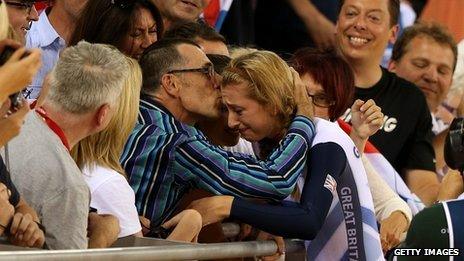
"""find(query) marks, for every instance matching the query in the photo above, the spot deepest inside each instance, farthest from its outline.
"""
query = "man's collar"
(154, 104)
(47, 35)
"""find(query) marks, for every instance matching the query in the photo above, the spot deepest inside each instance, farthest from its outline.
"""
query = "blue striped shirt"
(164, 158)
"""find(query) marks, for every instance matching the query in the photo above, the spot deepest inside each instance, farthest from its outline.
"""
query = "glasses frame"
(207, 70)
(314, 97)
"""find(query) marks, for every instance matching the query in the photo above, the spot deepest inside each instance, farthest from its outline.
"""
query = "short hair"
(87, 76)
(393, 9)
(105, 148)
(192, 30)
(219, 62)
(331, 72)
(433, 31)
(102, 21)
(158, 59)
(270, 80)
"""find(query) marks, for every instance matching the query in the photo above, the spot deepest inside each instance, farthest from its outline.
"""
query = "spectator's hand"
(213, 209)
(391, 229)
(11, 125)
(366, 117)
(451, 185)
(245, 231)
(25, 232)
(145, 222)
(102, 230)
(16, 74)
(6, 209)
(187, 225)
(280, 245)
(303, 102)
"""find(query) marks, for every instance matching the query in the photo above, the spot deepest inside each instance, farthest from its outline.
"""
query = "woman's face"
(141, 35)
(316, 91)
(253, 120)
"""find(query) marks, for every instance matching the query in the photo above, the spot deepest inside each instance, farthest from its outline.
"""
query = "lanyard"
(54, 127)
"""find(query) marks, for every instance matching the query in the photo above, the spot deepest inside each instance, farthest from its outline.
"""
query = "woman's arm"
(295, 220)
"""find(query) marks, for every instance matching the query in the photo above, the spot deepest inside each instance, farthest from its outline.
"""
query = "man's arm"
(321, 30)
(221, 172)
(103, 230)
(424, 184)
(65, 218)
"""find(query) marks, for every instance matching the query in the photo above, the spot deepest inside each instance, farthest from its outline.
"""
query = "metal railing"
(170, 251)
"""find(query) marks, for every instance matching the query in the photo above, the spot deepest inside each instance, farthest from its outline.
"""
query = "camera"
(15, 98)
(454, 145)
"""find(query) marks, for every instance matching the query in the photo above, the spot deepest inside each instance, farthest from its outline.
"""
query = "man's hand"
(452, 185)
(25, 232)
(102, 230)
(187, 225)
(391, 229)
(213, 209)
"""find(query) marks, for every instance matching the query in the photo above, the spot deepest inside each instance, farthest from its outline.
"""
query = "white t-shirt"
(243, 146)
(111, 194)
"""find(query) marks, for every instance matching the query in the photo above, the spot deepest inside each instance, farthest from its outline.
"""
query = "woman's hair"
(106, 21)
(269, 78)
(331, 72)
(105, 148)
(4, 22)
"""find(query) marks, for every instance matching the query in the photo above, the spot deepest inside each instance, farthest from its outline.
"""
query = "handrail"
(167, 252)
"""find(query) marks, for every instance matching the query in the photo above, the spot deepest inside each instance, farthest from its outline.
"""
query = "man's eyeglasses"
(207, 70)
(322, 100)
(24, 6)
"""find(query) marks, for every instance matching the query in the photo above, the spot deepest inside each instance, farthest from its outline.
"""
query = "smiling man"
(363, 30)
(21, 14)
(174, 11)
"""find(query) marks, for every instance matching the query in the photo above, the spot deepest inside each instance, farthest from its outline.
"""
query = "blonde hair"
(4, 22)
(269, 78)
(105, 148)
(238, 51)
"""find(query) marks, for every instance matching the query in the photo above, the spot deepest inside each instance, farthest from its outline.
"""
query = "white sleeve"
(116, 197)
(386, 201)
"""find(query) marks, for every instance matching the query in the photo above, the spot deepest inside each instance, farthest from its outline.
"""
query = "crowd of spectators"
(136, 118)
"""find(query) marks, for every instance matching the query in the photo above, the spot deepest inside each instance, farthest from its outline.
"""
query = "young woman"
(129, 25)
(98, 157)
(335, 197)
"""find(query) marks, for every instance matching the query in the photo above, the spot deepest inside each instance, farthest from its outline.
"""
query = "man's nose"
(33, 15)
(232, 120)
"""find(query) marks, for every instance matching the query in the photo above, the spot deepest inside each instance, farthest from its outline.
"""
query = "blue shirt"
(42, 35)
(164, 158)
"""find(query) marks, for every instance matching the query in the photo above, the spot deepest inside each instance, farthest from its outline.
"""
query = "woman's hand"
(280, 245)
(366, 118)
(25, 232)
(17, 73)
(391, 229)
(213, 209)
(6, 209)
(303, 102)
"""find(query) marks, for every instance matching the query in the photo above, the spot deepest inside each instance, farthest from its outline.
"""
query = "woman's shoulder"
(97, 176)
(327, 131)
